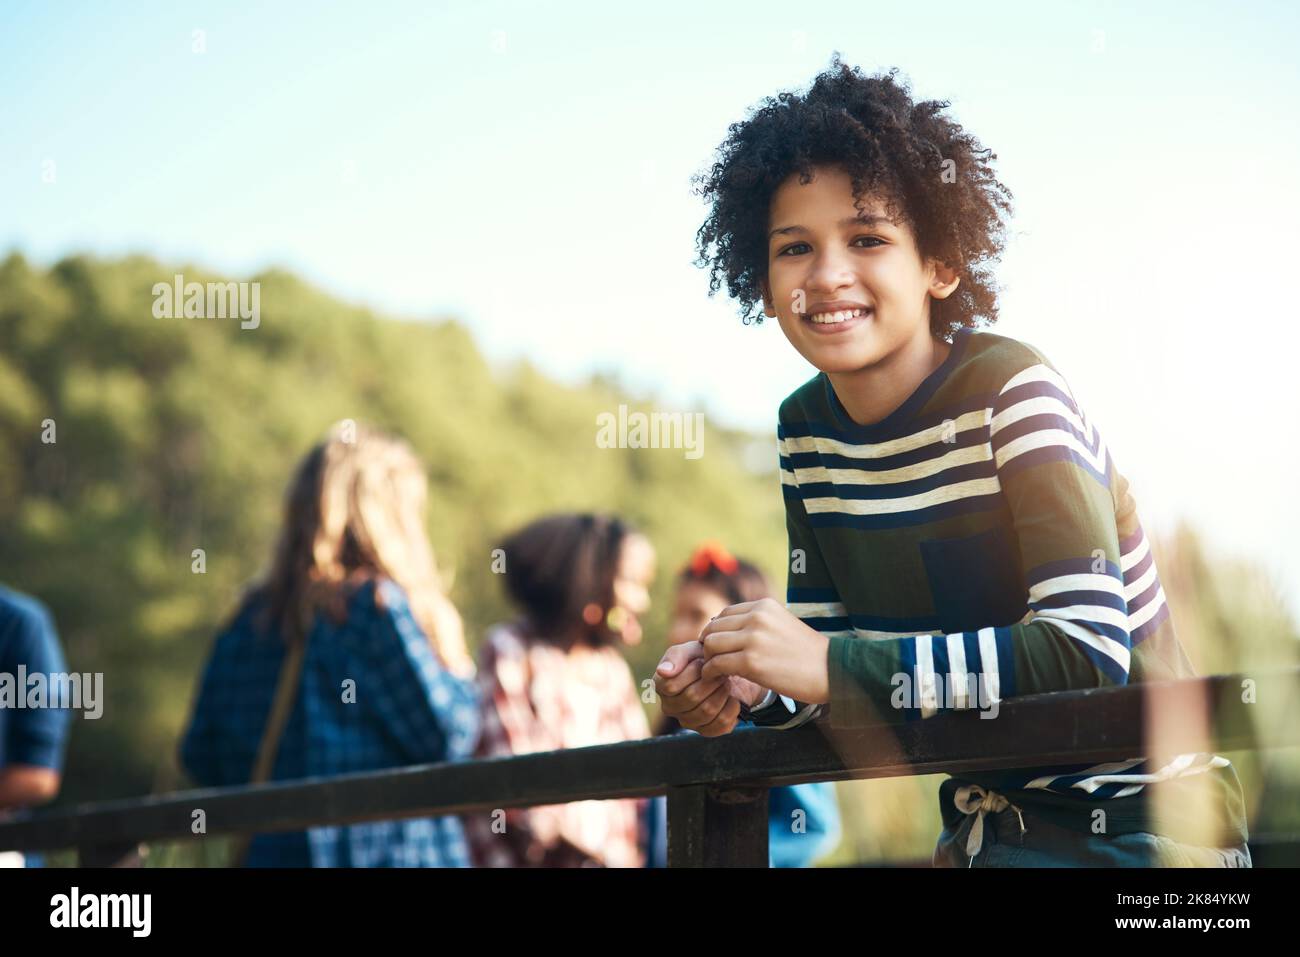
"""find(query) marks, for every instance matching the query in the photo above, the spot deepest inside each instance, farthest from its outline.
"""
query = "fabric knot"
(973, 799)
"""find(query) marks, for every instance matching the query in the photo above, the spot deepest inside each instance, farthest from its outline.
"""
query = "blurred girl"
(554, 678)
(354, 618)
(710, 581)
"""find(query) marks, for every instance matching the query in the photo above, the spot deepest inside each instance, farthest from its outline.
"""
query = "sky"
(526, 168)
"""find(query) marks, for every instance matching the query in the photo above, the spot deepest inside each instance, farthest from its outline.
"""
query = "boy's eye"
(796, 249)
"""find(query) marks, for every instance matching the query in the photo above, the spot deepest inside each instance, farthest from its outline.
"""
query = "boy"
(958, 531)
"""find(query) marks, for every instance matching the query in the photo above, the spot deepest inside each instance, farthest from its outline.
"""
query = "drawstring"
(973, 799)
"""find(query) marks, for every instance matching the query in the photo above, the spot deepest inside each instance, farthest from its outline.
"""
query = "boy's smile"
(851, 290)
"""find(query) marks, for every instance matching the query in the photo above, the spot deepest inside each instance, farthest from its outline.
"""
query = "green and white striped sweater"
(977, 544)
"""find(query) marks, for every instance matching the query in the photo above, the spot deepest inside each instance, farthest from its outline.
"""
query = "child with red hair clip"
(804, 819)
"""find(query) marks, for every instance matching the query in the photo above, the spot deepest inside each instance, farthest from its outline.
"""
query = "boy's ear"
(944, 282)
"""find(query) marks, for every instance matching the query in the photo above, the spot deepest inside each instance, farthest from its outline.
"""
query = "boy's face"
(822, 259)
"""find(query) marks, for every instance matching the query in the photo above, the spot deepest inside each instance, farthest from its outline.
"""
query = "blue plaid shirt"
(403, 708)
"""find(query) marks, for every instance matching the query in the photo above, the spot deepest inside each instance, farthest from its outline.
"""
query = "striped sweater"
(977, 544)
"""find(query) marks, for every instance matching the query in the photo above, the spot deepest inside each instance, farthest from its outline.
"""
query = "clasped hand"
(740, 654)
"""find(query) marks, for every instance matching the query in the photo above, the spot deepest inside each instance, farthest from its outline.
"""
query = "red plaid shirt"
(537, 697)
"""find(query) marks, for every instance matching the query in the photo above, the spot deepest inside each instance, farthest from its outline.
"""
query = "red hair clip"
(712, 554)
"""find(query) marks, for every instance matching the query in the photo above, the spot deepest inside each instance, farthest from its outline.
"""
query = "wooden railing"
(716, 787)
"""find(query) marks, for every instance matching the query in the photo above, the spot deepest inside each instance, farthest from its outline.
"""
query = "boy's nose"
(831, 271)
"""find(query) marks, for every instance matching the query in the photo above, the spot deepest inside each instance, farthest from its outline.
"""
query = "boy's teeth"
(840, 316)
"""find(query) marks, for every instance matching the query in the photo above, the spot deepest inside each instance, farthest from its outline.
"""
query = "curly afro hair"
(929, 173)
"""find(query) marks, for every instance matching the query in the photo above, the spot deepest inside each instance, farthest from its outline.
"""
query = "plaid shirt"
(536, 697)
(372, 695)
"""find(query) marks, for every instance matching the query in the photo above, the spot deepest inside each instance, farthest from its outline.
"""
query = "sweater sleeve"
(1056, 476)
(810, 594)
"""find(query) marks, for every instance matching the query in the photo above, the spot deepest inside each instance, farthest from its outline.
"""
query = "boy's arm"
(810, 596)
(1056, 476)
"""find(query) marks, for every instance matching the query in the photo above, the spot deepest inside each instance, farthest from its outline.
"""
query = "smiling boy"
(957, 527)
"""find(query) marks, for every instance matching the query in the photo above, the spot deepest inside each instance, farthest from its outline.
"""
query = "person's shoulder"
(804, 403)
(505, 639)
(245, 627)
(503, 655)
(366, 599)
(994, 360)
(379, 605)
(615, 661)
(379, 595)
(24, 613)
(27, 633)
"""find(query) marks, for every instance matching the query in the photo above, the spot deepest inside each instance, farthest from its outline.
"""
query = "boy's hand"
(763, 642)
(712, 706)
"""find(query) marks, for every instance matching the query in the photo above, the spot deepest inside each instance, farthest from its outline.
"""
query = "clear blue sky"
(525, 166)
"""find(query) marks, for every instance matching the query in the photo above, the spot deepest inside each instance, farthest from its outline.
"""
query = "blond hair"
(354, 513)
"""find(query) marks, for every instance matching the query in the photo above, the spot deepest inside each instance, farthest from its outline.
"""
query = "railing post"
(717, 826)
